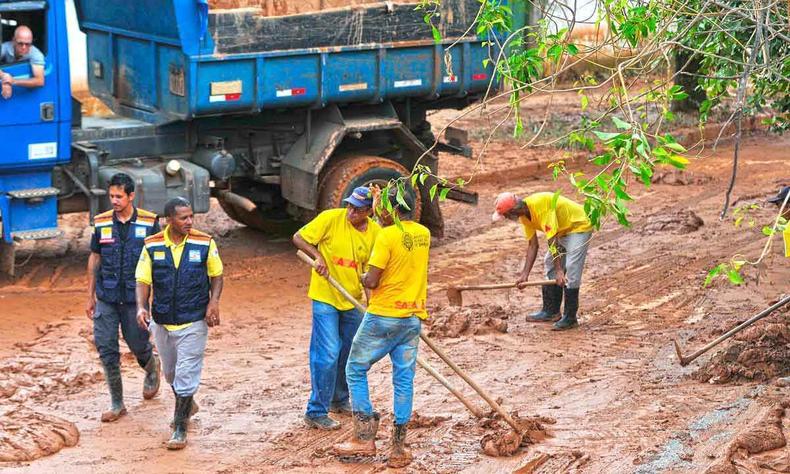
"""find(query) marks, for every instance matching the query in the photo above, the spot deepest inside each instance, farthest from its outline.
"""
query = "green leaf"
(619, 191)
(675, 147)
(735, 277)
(554, 199)
(713, 273)
(572, 49)
(768, 231)
(399, 197)
(585, 101)
(414, 180)
(423, 177)
(432, 192)
(443, 194)
(677, 161)
(555, 52)
(606, 136)
(620, 124)
(437, 35)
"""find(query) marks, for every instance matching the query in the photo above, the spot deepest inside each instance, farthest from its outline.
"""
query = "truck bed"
(165, 67)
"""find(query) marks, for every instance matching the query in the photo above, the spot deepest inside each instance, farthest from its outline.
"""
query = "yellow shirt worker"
(568, 232)
(779, 199)
(340, 241)
(398, 279)
(182, 267)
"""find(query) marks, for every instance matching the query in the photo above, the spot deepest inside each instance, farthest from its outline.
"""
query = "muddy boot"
(363, 442)
(115, 384)
(568, 320)
(400, 456)
(151, 381)
(192, 411)
(552, 300)
(178, 440)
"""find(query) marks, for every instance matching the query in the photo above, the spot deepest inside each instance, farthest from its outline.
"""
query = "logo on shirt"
(105, 237)
(194, 256)
(159, 255)
(407, 241)
(139, 232)
(344, 262)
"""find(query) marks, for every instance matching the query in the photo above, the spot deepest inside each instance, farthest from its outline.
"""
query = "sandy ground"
(611, 394)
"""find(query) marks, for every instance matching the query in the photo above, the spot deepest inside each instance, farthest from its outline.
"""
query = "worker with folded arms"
(183, 268)
(340, 241)
(568, 232)
(398, 279)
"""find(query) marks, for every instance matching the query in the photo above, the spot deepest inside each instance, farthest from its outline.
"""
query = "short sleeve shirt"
(402, 254)
(35, 56)
(567, 217)
(345, 250)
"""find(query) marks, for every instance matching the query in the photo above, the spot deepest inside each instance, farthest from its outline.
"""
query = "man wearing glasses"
(340, 240)
(21, 49)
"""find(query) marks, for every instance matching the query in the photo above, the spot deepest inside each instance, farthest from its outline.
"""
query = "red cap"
(504, 203)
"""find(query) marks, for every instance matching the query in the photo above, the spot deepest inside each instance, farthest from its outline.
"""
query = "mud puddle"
(27, 434)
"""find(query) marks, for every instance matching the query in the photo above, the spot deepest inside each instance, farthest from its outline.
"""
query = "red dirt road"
(620, 400)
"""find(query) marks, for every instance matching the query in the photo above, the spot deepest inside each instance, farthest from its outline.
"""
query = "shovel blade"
(454, 297)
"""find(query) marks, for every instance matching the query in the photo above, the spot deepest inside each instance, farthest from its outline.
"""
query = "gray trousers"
(106, 319)
(573, 252)
(181, 353)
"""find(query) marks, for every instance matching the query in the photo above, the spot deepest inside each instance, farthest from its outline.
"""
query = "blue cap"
(360, 197)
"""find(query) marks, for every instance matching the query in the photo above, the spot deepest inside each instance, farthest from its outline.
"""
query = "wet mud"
(760, 352)
(27, 434)
(677, 222)
(502, 440)
(473, 319)
(763, 435)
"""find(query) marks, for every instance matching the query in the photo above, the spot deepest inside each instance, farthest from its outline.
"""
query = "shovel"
(454, 292)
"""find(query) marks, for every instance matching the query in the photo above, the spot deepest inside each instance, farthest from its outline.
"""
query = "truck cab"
(35, 123)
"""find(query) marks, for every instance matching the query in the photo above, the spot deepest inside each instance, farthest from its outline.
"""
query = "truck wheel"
(348, 173)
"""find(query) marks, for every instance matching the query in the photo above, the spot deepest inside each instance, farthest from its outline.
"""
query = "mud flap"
(7, 257)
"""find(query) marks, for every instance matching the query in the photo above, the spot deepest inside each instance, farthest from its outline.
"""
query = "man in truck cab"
(21, 48)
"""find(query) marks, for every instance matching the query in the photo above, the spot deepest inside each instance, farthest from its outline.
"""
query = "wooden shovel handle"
(497, 286)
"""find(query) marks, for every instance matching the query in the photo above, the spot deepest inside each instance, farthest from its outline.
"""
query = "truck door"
(34, 122)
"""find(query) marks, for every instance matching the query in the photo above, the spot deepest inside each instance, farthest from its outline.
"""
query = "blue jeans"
(106, 319)
(333, 331)
(377, 337)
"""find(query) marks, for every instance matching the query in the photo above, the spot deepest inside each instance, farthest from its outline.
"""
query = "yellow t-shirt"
(143, 271)
(786, 235)
(567, 218)
(403, 255)
(346, 252)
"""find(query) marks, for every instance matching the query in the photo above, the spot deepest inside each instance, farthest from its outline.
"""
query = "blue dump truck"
(276, 117)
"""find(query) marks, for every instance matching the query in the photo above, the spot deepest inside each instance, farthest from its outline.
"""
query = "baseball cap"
(360, 197)
(780, 196)
(503, 204)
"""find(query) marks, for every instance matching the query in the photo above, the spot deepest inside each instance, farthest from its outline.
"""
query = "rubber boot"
(192, 411)
(552, 300)
(400, 456)
(114, 382)
(568, 320)
(151, 381)
(178, 440)
(363, 442)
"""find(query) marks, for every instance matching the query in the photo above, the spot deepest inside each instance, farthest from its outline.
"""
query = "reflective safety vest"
(181, 294)
(115, 282)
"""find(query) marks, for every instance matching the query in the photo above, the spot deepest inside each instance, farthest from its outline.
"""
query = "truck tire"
(361, 170)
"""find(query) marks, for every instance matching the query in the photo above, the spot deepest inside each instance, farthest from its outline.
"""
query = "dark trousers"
(106, 319)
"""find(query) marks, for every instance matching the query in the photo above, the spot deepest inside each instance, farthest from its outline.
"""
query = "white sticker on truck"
(42, 151)
(409, 83)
